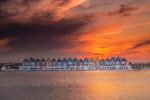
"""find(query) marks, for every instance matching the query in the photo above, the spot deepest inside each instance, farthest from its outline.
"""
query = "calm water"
(99, 85)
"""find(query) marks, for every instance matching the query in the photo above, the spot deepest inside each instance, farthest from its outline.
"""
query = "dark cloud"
(34, 30)
(40, 36)
(141, 44)
(124, 10)
(6, 15)
(60, 27)
(2, 1)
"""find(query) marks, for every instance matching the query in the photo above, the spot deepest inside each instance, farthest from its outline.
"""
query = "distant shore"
(17, 70)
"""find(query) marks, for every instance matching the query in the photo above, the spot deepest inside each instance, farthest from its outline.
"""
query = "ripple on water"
(132, 85)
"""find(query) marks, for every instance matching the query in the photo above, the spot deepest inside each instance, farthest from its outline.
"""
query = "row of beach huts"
(114, 63)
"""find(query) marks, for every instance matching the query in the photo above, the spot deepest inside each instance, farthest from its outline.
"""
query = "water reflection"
(119, 86)
(129, 85)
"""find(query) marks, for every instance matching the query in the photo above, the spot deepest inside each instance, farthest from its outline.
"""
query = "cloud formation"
(27, 10)
(77, 28)
(124, 10)
(141, 44)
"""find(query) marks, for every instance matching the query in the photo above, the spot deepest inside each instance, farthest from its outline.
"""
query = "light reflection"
(116, 85)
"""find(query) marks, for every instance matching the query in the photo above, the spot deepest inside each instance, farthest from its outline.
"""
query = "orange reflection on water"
(116, 86)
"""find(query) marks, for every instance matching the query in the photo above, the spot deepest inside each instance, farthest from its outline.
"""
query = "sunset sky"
(74, 28)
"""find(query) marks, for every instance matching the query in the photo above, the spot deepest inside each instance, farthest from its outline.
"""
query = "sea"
(75, 85)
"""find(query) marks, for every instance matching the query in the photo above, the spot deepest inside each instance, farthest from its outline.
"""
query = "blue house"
(59, 64)
(54, 64)
(64, 63)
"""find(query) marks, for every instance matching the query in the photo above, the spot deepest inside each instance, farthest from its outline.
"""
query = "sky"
(74, 28)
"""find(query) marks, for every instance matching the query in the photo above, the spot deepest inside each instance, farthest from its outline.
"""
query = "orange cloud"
(112, 40)
(4, 44)
(51, 10)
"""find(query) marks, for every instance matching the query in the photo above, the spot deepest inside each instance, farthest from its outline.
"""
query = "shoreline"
(17, 70)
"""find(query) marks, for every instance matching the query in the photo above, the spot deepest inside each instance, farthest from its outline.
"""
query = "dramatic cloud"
(76, 28)
(35, 35)
(26, 10)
